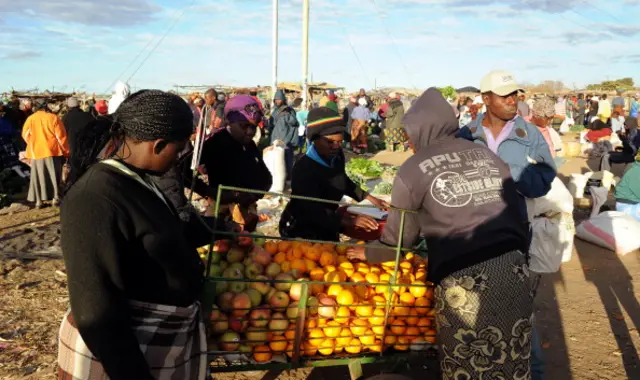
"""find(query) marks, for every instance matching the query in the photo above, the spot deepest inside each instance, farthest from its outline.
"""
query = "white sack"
(551, 242)
(577, 183)
(612, 230)
(558, 199)
(274, 160)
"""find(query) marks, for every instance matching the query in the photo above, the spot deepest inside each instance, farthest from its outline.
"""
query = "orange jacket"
(45, 136)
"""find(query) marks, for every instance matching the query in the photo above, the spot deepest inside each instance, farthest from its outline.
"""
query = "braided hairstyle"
(146, 115)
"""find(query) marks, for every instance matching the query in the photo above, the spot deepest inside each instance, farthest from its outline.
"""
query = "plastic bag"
(558, 199)
(577, 183)
(565, 127)
(274, 160)
(551, 242)
(612, 230)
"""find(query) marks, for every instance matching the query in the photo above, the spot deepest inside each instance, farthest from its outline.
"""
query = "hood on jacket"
(430, 119)
(280, 96)
(121, 89)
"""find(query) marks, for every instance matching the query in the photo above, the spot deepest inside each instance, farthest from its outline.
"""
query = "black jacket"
(121, 242)
(74, 121)
(465, 202)
(316, 220)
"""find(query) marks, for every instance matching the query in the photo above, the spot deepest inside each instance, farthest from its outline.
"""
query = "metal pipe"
(274, 37)
(305, 54)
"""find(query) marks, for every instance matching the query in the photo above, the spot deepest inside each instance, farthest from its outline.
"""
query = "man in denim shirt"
(521, 146)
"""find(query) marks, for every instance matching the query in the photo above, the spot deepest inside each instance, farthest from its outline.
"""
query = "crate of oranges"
(292, 303)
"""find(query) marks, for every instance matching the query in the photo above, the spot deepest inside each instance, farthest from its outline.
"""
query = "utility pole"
(274, 37)
(305, 54)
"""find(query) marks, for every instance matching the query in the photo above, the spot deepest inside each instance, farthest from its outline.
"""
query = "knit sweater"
(122, 242)
(316, 220)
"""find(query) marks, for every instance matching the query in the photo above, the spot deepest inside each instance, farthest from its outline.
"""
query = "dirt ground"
(588, 313)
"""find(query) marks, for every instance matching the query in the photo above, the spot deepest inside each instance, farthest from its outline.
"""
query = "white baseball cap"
(477, 100)
(499, 82)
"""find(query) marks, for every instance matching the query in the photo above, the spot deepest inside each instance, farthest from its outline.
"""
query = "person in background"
(593, 110)
(101, 107)
(332, 103)
(523, 108)
(210, 121)
(618, 101)
(561, 113)
(301, 115)
(284, 127)
(598, 130)
(359, 119)
(120, 93)
(604, 109)
(581, 108)
(231, 158)
(634, 109)
(542, 116)
(321, 174)
(346, 118)
(477, 241)
(617, 120)
(630, 144)
(363, 95)
(196, 105)
(47, 148)
(394, 134)
(135, 278)
(9, 156)
(325, 99)
(465, 113)
(479, 105)
(627, 192)
(75, 121)
(260, 130)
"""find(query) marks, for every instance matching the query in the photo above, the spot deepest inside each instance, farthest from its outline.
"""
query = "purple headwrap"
(242, 108)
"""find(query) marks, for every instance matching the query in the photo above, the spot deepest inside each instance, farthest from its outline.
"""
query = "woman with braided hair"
(134, 275)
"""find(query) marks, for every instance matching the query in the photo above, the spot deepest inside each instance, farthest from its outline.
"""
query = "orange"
(431, 312)
(262, 354)
(362, 268)
(418, 291)
(422, 305)
(312, 254)
(316, 274)
(354, 346)
(278, 343)
(384, 278)
(329, 246)
(309, 349)
(402, 344)
(316, 336)
(375, 270)
(310, 264)
(401, 311)
(322, 322)
(290, 334)
(407, 299)
(342, 315)
(347, 267)
(377, 317)
(377, 346)
(330, 268)
(410, 256)
(358, 327)
(372, 291)
(342, 259)
(421, 275)
(280, 258)
(429, 294)
(289, 350)
(379, 301)
(382, 289)
(345, 297)
(297, 253)
(334, 290)
(327, 347)
(285, 267)
(388, 265)
(405, 266)
(390, 339)
(271, 247)
(326, 258)
(342, 249)
(412, 332)
(344, 338)
(357, 277)
(364, 310)
(372, 278)
(430, 336)
(397, 327)
(310, 324)
(412, 319)
(424, 324)
(332, 330)
(368, 338)
(362, 292)
(335, 276)
(378, 330)
(298, 264)
(284, 246)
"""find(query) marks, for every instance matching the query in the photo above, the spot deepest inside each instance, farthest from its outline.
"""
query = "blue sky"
(86, 44)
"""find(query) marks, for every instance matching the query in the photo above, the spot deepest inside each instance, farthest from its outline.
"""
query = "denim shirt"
(525, 151)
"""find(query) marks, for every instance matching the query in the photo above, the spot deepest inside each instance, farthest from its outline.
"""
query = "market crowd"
(129, 232)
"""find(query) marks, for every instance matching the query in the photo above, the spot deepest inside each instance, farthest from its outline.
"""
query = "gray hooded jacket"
(465, 203)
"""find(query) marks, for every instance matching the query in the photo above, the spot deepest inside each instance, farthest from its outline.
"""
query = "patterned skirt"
(395, 136)
(484, 316)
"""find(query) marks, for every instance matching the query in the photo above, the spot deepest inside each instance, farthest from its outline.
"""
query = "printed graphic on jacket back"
(468, 177)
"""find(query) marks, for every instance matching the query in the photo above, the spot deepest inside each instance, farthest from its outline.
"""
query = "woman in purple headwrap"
(231, 158)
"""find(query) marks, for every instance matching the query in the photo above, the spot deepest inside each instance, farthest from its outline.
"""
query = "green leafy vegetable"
(383, 188)
(364, 168)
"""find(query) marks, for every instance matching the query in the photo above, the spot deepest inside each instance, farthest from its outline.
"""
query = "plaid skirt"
(172, 339)
(484, 317)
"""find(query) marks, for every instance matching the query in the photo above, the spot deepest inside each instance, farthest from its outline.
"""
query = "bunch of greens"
(383, 188)
(364, 168)
(389, 173)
